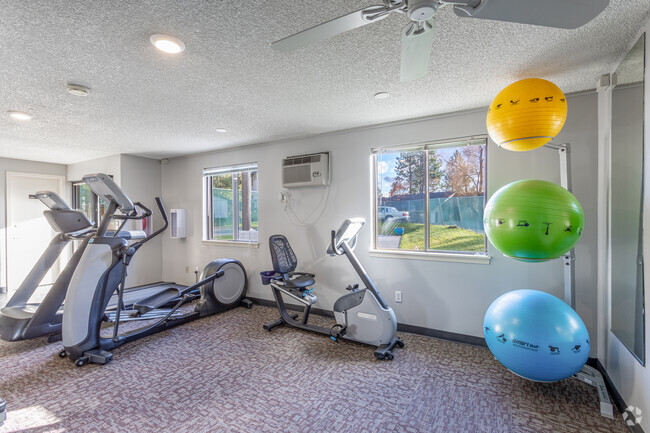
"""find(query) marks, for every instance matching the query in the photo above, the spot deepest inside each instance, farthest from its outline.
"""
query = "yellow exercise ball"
(527, 114)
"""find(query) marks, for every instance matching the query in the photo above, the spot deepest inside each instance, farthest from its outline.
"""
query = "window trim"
(438, 256)
(208, 205)
(427, 253)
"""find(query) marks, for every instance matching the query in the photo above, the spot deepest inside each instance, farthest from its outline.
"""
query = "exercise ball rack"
(587, 374)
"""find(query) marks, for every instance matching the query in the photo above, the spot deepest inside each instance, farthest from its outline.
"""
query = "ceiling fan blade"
(331, 28)
(563, 14)
(416, 50)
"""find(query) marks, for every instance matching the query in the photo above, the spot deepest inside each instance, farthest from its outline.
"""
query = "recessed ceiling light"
(382, 95)
(167, 44)
(19, 115)
(77, 89)
(221, 130)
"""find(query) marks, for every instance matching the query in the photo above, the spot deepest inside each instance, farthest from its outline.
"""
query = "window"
(443, 213)
(85, 200)
(231, 197)
(90, 204)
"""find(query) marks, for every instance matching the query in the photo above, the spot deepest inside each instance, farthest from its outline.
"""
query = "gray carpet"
(226, 374)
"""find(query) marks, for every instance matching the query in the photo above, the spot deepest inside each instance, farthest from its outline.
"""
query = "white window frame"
(208, 227)
(427, 253)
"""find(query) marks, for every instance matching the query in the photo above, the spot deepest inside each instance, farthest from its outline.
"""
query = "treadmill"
(20, 319)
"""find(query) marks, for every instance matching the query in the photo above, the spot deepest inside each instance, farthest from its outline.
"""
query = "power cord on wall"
(288, 200)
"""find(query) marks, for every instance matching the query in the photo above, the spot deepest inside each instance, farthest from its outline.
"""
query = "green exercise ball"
(533, 220)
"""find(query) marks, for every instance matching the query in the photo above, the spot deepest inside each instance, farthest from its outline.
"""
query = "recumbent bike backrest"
(283, 257)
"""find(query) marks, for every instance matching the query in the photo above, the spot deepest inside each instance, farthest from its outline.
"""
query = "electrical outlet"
(398, 296)
(187, 269)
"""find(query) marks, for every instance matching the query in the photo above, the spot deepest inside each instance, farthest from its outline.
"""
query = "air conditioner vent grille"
(305, 170)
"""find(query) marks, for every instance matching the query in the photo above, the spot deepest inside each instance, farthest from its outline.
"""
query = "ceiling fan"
(418, 35)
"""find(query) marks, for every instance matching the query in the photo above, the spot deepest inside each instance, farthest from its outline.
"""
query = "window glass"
(457, 200)
(222, 204)
(400, 200)
(247, 186)
(85, 200)
(232, 203)
(443, 212)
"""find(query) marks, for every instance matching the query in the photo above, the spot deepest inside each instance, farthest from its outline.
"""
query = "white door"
(28, 232)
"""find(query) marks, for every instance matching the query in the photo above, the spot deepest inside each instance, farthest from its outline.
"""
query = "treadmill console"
(52, 200)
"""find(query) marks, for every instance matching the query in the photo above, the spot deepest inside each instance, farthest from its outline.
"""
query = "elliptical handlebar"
(161, 208)
(146, 212)
(163, 214)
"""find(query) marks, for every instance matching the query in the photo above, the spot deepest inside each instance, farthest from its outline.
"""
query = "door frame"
(4, 251)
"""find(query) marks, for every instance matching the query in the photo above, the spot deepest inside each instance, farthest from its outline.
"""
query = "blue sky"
(386, 166)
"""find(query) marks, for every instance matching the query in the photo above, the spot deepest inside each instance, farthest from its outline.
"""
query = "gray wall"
(23, 166)
(439, 295)
(141, 181)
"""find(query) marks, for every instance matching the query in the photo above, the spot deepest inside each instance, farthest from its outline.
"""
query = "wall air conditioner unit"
(306, 170)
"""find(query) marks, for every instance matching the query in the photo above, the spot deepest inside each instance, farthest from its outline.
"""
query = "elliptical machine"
(102, 271)
(361, 315)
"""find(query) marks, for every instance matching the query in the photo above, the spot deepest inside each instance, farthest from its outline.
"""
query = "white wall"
(438, 295)
(19, 165)
(107, 165)
(141, 181)
(628, 375)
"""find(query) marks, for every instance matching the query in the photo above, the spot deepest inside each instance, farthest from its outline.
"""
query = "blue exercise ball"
(536, 335)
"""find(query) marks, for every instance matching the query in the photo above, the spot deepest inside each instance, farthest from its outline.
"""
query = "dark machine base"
(386, 351)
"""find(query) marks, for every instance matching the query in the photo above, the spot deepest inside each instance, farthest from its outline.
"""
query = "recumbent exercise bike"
(361, 315)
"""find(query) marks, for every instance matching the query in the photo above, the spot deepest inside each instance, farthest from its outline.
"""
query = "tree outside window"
(443, 212)
(231, 203)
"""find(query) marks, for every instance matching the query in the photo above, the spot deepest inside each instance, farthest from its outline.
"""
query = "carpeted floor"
(226, 374)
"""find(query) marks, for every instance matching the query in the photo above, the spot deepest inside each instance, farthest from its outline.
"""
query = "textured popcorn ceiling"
(147, 103)
(632, 66)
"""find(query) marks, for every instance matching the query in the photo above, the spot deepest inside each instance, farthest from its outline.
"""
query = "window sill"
(434, 256)
(244, 244)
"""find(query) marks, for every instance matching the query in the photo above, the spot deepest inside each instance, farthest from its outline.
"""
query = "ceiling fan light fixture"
(167, 44)
(19, 115)
(422, 10)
